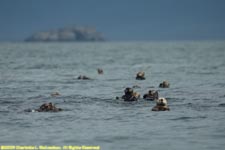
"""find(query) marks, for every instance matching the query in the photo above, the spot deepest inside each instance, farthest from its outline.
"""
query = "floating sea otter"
(164, 84)
(100, 71)
(161, 105)
(140, 75)
(130, 95)
(82, 77)
(48, 107)
(151, 95)
(136, 86)
(54, 94)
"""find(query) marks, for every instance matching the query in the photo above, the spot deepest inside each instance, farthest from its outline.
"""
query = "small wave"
(220, 85)
(197, 127)
(151, 87)
(205, 99)
(175, 99)
(189, 118)
(222, 105)
(4, 111)
(44, 66)
(36, 97)
(222, 96)
(210, 68)
(2, 102)
(103, 139)
(118, 79)
(201, 73)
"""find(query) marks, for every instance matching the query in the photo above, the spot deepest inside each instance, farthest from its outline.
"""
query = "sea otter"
(130, 95)
(82, 77)
(136, 86)
(151, 95)
(48, 107)
(161, 105)
(140, 75)
(164, 84)
(54, 94)
(100, 71)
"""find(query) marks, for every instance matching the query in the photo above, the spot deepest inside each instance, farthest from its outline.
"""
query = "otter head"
(50, 106)
(55, 94)
(100, 71)
(136, 94)
(151, 92)
(128, 91)
(165, 83)
(141, 74)
(161, 102)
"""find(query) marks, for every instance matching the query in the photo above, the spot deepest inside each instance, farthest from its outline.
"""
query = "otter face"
(137, 95)
(161, 102)
(164, 84)
(151, 92)
(141, 74)
(128, 91)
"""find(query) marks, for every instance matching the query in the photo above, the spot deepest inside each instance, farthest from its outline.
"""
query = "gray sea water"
(30, 72)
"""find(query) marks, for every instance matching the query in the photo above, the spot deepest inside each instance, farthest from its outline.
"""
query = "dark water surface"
(30, 72)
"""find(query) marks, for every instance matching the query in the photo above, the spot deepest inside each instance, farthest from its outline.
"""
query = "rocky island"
(67, 34)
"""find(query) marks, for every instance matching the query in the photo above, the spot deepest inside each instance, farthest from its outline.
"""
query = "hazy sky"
(117, 19)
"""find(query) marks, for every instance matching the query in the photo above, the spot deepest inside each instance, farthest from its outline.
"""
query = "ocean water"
(30, 72)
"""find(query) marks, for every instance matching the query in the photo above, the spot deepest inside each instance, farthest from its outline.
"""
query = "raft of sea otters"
(129, 95)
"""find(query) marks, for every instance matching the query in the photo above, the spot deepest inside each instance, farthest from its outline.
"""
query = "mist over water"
(30, 72)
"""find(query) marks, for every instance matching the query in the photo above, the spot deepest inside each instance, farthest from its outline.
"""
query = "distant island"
(67, 34)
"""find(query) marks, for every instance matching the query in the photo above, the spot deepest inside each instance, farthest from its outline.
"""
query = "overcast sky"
(118, 20)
